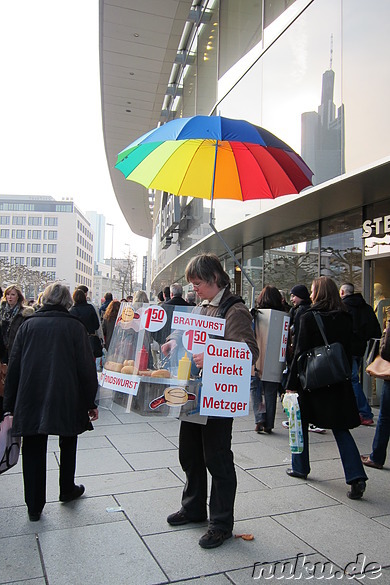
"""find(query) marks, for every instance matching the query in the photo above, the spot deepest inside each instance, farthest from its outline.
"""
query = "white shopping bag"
(295, 436)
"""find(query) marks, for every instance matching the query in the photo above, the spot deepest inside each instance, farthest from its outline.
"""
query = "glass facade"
(314, 74)
(341, 248)
(291, 257)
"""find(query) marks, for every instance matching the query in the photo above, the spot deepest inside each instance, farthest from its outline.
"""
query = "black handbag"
(325, 365)
(96, 345)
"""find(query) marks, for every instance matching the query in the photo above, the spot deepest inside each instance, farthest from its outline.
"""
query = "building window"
(18, 234)
(36, 248)
(35, 262)
(4, 233)
(19, 220)
(34, 234)
(51, 262)
(34, 221)
(292, 257)
(4, 247)
(51, 221)
(52, 248)
(341, 248)
(19, 247)
(4, 219)
(51, 235)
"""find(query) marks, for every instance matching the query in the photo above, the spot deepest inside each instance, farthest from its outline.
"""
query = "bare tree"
(32, 282)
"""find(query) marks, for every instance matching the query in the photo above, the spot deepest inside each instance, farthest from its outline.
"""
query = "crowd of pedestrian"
(50, 351)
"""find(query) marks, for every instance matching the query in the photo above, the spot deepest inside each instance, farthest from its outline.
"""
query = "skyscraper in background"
(322, 138)
(98, 224)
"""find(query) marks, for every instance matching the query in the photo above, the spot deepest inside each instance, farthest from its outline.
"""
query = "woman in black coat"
(50, 389)
(333, 407)
(87, 315)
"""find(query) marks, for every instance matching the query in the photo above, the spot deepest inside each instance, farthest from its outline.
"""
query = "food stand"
(144, 375)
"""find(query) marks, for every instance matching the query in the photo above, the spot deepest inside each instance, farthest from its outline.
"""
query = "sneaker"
(366, 421)
(286, 424)
(357, 489)
(314, 429)
(77, 491)
(214, 538)
(180, 518)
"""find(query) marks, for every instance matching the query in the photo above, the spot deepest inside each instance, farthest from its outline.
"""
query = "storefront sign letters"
(376, 227)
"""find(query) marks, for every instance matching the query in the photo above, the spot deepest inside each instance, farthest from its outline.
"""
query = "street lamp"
(112, 252)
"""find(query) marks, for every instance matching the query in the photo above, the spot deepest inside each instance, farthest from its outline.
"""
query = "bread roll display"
(161, 374)
(127, 370)
(113, 366)
(128, 363)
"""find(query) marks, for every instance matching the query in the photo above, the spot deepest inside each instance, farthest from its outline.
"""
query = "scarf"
(7, 316)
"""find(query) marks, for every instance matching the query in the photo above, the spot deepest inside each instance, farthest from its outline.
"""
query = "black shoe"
(259, 428)
(180, 518)
(214, 538)
(293, 473)
(268, 430)
(357, 489)
(34, 516)
(77, 491)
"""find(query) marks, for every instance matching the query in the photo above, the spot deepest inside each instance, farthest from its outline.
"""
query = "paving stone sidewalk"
(117, 532)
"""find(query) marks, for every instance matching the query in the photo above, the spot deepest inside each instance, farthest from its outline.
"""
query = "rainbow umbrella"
(211, 157)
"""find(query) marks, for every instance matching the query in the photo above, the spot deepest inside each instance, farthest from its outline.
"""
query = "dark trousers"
(34, 451)
(202, 448)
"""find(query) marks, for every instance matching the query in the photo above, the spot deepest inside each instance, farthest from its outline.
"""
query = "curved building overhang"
(350, 191)
(139, 42)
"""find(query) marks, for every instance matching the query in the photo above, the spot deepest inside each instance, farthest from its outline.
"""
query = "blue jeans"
(349, 454)
(382, 433)
(362, 404)
(264, 411)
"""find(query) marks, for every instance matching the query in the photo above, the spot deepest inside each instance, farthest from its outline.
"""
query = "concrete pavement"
(117, 532)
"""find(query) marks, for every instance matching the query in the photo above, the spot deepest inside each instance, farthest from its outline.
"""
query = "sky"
(51, 138)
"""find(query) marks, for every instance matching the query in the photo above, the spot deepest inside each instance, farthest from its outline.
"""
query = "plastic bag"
(295, 435)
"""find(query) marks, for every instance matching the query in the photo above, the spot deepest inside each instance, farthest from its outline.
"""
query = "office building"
(47, 235)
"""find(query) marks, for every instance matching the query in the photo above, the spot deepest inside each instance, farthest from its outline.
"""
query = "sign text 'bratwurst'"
(226, 379)
(212, 325)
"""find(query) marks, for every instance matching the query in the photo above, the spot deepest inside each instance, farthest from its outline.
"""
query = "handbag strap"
(320, 324)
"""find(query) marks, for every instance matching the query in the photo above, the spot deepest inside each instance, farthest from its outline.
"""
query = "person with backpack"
(365, 326)
(207, 447)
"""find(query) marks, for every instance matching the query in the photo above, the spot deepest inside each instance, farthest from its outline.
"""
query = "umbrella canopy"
(211, 157)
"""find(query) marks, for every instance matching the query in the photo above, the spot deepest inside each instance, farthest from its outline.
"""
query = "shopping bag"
(295, 435)
(9, 445)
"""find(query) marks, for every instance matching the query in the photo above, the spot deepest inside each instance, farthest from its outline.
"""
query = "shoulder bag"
(379, 368)
(325, 365)
(9, 445)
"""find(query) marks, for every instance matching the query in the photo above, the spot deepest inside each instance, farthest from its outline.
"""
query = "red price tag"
(194, 341)
(154, 318)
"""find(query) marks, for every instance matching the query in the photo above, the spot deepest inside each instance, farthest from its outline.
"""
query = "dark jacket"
(295, 316)
(51, 381)
(87, 315)
(365, 323)
(176, 301)
(16, 322)
(331, 407)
